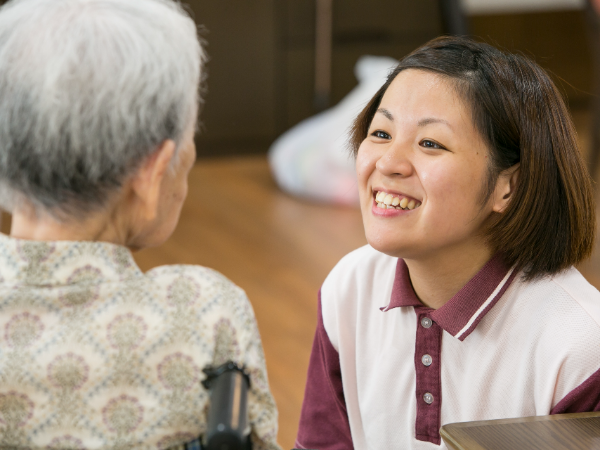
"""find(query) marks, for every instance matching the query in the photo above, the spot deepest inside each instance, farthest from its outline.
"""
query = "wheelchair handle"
(227, 427)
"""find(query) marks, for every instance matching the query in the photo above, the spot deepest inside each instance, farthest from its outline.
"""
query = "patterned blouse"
(95, 354)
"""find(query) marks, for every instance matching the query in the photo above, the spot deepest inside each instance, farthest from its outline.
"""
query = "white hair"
(88, 89)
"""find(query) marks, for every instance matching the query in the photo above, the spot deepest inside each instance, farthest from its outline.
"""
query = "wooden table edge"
(522, 419)
(446, 430)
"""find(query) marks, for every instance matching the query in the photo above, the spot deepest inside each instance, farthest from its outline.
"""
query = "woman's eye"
(381, 134)
(431, 144)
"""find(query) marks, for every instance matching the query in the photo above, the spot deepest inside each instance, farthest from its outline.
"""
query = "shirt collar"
(461, 314)
(56, 263)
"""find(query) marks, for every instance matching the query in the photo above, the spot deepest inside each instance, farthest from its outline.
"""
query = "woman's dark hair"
(549, 223)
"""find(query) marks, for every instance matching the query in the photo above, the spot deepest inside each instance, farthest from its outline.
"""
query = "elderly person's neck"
(106, 225)
(143, 212)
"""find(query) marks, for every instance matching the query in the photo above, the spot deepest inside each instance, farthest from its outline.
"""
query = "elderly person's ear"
(147, 181)
(505, 188)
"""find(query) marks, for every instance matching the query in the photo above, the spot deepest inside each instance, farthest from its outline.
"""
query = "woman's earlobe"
(506, 186)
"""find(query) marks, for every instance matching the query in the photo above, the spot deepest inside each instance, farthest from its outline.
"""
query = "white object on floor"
(312, 159)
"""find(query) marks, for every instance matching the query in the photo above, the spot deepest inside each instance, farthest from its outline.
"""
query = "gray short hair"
(88, 89)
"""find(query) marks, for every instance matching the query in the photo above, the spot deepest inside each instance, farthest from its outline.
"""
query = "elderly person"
(98, 102)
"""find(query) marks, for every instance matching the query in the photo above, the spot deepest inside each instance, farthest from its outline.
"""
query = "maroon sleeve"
(584, 398)
(324, 420)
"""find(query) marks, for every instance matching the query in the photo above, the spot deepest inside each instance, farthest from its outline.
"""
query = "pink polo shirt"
(388, 372)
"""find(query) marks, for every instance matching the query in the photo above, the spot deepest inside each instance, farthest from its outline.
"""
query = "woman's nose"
(395, 161)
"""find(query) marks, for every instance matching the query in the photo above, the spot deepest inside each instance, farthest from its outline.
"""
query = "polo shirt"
(388, 372)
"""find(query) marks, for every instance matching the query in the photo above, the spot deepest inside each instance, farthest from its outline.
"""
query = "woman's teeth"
(388, 201)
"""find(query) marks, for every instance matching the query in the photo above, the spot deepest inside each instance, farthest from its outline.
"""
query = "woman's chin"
(391, 247)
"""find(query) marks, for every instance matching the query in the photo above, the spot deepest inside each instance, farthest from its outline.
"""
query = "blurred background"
(268, 63)
(275, 63)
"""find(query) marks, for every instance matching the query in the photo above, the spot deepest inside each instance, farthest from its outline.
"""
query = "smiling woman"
(476, 204)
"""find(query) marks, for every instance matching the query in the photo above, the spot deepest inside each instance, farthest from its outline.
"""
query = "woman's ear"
(146, 183)
(505, 188)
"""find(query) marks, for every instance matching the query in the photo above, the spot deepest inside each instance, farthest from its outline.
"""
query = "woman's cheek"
(360, 163)
(365, 162)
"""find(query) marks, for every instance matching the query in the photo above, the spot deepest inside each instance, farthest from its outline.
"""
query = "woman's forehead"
(419, 95)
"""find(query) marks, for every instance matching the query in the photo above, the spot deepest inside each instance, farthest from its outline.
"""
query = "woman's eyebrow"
(386, 113)
(429, 120)
(421, 123)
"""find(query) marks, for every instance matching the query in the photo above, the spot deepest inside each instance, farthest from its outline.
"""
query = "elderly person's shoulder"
(185, 284)
(110, 267)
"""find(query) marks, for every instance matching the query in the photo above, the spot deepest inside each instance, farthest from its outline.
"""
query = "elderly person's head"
(98, 105)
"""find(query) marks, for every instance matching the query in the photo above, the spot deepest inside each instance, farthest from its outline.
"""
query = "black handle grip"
(227, 427)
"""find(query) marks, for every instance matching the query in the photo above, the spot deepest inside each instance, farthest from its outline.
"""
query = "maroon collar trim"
(461, 314)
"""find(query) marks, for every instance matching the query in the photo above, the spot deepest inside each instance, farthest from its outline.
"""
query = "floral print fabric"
(95, 354)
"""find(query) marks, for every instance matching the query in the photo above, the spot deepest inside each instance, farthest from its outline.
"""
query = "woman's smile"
(391, 204)
(389, 200)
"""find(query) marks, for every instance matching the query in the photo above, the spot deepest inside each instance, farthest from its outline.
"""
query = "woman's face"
(425, 159)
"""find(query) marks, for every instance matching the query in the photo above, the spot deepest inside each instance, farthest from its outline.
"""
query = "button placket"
(427, 366)
(426, 359)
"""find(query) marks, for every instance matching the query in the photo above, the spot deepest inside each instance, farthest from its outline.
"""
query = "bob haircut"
(549, 223)
(88, 90)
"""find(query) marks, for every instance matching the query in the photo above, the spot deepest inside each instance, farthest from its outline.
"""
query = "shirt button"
(426, 360)
(428, 398)
(426, 322)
